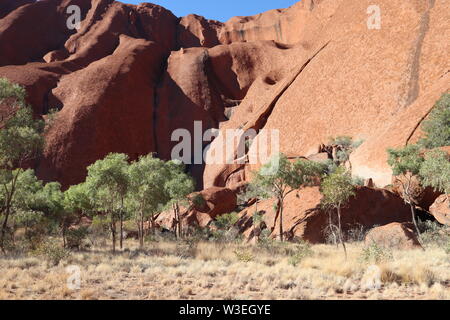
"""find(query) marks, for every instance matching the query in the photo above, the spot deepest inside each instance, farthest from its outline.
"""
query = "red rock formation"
(394, 235)
(375, 85)
(31, 31)
(107, 107)
(441, 209)
(304, 218)
(7, 6)
(213, 202)
(311, 71)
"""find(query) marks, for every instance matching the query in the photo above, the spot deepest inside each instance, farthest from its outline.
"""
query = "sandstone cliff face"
(132, 74)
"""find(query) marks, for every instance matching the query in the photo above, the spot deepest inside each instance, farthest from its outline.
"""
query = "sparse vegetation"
(374, 254)
(42, 229)
(214, 271)
(337, 188)
(437, 126)
(52, 252)
(280, 177)
(406, 164)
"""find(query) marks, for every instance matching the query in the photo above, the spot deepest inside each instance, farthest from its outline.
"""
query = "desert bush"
(434, 234)
(226, 230)
(437, 126)
(299, 252)
(295, 252)
(330, 233)
(52, 251)
(374, 253)
(226, 221)
(266, 242)
(358, 181)
(196, 233)
(76, 237)
(99, 226)
(186, 248)
(243, 255)
(356, 234)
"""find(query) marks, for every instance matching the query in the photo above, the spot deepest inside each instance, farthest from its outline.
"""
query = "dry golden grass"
(207, 270)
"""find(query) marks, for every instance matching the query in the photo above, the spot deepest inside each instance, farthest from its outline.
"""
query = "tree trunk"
(254, 216)
(153, 225)
(121, 224)
(3, 232)
(413, 216)
(113, 232)
(121, 231)
(341, 238)
(141, 231)
(331, 226)
(180, 230)
(176, 220)
(10, 196)
(280, 203)
(63, 232)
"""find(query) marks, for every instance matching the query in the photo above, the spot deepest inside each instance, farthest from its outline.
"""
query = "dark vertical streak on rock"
(412, 89)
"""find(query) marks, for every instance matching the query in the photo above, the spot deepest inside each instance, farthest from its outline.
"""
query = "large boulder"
(441, 209)
(423, 197)
(205, 206)
(303, 216)
(107, 107)
(394, 235)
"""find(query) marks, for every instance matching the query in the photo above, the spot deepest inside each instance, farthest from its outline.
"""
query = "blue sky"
(221, 10)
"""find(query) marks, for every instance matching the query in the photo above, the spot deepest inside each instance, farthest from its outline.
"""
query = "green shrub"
(226, 230)
(375, 253)
(52, 251)
(358, 181)
(186, 248)
(295, 252)
(226, 221)
(437, 126)
(244, 255)
(299, 252)
(434, 234)
(75, 237)
(10, 90)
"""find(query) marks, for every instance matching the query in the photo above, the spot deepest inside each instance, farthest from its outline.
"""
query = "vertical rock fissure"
(411, 83)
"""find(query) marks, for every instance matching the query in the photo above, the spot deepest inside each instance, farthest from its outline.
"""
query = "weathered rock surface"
(441, 209)
(304, 218)
(394, 235)
(7, 6)
(130, 75)
(356, 85)
(110, 109)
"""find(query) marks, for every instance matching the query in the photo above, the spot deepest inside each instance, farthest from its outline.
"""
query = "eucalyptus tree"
(21, 141)
(280, 177)
(406, 164)
(178, 186)
(108, 183)
(337, 188)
